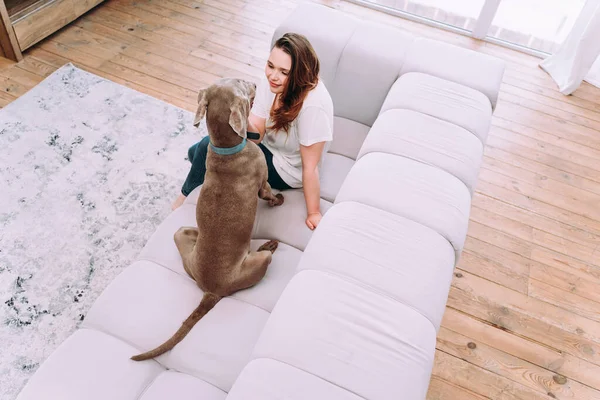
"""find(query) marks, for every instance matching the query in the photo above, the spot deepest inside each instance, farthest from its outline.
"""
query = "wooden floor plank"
(527, 317)
(566, 263)
(196, 18)
(565, 300)
(513, 84)
(440, 389)
(577, 212)
(538, 140)
(511, 214)
(5, 97)
(525, 236)
(173, 59)
(480, 260)
(584, 92)
(223, 58)
(543, 121)
(36, 66)
(540, 167)
(480, 332)
(540, 180)
(554, 106)
(478, 380)
(512, 368)
(527, 287)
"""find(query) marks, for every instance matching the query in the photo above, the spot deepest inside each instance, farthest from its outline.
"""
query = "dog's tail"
(209, 300)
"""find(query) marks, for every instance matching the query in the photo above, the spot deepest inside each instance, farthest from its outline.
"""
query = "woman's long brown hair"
(302, 78)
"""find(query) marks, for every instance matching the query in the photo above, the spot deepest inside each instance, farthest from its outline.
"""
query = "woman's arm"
(256, 125)
(311, 155)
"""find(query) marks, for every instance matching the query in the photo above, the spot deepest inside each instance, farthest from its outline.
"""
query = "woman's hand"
(313, 219)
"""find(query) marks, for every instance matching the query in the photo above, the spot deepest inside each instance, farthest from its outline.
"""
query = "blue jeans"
(197, 156)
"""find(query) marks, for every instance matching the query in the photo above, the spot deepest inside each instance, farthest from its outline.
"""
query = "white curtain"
(578, 58)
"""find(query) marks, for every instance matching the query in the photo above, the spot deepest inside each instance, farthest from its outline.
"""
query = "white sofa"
(348, 311)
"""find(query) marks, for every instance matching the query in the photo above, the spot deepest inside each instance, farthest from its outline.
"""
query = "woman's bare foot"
(179, 201)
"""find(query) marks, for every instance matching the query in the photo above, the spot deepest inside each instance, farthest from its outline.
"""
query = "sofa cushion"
(221, 343)
(476, 70)
(286, 222)
(353, 337)
(368, 55)
(266, 379)
(439, 98)
(389, 254)
(333, 172)
(147, 303)
(282, 268)
(409, 188)
(144, 305)
(161, 248)
(175, 385)
(91, 365)
(429, 140)
(348, 137)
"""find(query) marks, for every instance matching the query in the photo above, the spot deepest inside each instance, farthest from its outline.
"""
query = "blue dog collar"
(227, 151)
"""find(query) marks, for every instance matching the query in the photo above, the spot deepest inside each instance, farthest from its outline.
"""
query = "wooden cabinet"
(26, 22)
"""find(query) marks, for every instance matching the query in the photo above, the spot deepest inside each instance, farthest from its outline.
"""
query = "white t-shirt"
(313, 124)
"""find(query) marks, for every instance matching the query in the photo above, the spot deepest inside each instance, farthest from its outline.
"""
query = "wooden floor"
(523, 316)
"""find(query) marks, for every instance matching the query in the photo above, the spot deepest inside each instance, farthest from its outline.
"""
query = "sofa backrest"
(361, 60)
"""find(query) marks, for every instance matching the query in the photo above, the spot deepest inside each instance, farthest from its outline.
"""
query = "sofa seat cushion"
(439, 98)
(429, 140)
(286, 222)
(389, 253)
(175, 385)
(91, 365)
(360, 340)
(348, 137)
(161, 249)
(333, 172)
(147, 303)
(411, 189)
(267, 379)
(221, 343)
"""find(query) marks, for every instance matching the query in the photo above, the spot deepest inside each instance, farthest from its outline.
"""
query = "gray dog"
(217, 254)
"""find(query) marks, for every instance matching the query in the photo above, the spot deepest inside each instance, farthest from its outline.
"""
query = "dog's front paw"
(278, 201)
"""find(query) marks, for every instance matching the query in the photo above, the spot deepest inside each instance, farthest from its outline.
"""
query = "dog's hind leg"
(254, 267)
(185, 240)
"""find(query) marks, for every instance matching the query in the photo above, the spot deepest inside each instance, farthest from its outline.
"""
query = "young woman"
(292, 118)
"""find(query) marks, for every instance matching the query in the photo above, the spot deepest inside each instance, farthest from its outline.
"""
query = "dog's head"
(227, 97)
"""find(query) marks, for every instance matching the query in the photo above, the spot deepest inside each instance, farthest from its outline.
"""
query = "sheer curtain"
(578, 58)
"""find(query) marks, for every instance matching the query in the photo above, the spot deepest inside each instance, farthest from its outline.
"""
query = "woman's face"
(277, 69)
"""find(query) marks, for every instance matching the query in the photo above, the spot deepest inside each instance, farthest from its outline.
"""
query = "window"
(536, 25)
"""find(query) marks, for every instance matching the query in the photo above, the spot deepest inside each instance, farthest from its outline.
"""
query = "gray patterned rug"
(88, 169)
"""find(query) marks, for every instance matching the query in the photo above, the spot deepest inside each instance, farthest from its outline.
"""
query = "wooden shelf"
(26, 22)
(18, 8)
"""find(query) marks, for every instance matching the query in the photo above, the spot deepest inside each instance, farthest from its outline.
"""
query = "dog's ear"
(202, 104)
(238, 118)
